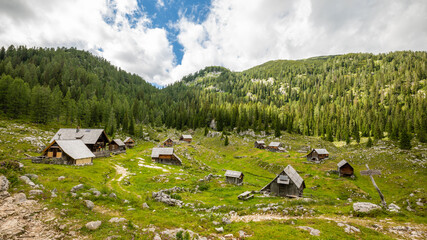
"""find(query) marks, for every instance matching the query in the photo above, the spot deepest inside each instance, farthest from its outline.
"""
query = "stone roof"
(234, 174)
(291, 173)
(161, 151)
(260, 142)
(321, 151)
(76, 149)
(88, 136)
(119, 142)
(187, 137)
(342, 163)
(274, 144)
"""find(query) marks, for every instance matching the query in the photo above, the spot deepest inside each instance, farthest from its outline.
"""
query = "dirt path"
(385, 226)
(122, 172)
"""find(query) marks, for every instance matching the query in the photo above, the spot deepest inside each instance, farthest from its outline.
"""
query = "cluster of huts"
(273, 146)
(165, 153)
(79, 147)
(75, 146)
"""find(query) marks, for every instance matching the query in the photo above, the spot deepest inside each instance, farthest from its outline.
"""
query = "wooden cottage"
(287, 184)
(345, 169)
(317, 155)
(165, 156)
(234, 177)
(259, 144)
(72, 152)
(168, 143)
(129, 142)
(186, 138)
(274, 146)
(95, 139)
(117, 145)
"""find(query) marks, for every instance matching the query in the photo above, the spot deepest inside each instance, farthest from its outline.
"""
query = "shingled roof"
(129, 139)
(292, 174)
(187, 137)
(161, 151)
(88, 136)
(274, 144)
(119, 142)
(321, 151)
(234, 174)
(342, 163)
(76, 149)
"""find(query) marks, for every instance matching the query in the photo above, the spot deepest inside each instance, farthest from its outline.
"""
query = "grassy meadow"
(403, 180)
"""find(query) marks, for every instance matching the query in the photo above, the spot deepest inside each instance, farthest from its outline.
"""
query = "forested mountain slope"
(337, 97)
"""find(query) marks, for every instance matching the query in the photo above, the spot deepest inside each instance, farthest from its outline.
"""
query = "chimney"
(59, 136)
(77, 129)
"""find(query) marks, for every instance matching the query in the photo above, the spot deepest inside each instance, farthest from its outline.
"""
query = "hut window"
(283, 179)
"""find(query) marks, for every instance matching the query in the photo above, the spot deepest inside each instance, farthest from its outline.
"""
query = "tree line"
(337, 97)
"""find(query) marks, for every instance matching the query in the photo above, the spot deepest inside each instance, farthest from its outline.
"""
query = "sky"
(164, 40)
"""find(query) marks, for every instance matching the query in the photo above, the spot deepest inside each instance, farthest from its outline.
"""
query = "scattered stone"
(4, 186)
(61, 178)
(393, 208)
(113, 195)
(348, 228)
(165, 198)
(313, 231)
(157, 237)
(89, 204)
(93, 225)
(365, 207)
(220, 229)
(32, 176)
(419, 203)
(216, 223)
(230, 235)
(35, 192)
(73, 195)
(53, 194)
(117, 220)
(20, 198)
(27, 180)
(242, 234)
(226, 220)
(96, 193)
(145, 206)
(77, 187)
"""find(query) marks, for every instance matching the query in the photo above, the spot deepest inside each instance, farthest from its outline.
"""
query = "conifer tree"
(369, 143)
(404, 139)
(226, 141)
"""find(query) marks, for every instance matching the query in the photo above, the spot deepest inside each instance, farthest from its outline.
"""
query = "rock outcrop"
(365, 207)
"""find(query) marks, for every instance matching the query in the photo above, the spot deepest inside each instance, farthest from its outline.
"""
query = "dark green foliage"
(226, 141)
(404, 139)
(335, 96)
(369, 143)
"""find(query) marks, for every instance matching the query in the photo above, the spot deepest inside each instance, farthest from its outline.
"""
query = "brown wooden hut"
(186, 138)
(317, 154)
(95, 139)
(288, 183)
(168, 143)
(165, 156)
(234, 177)
(117, 145)
(129, 142)
(72, 152)
(274, 146)
(345, 169)
(259, 144)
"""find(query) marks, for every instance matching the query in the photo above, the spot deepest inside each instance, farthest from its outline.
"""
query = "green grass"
(400, 177)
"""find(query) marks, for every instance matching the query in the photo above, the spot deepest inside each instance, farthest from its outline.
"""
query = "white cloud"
(236, 34)
(134, 47)
(241, 34)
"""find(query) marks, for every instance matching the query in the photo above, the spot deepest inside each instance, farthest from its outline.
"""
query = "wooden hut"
(234, 177)
(317, 154)
(168, 143)
(288, 183)
(165, 156)
(95, 139)
(259, 144)
(186, 138)
(117, 145)
(274, 146)
(345, 169)
(72, 152)
(129, 142)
